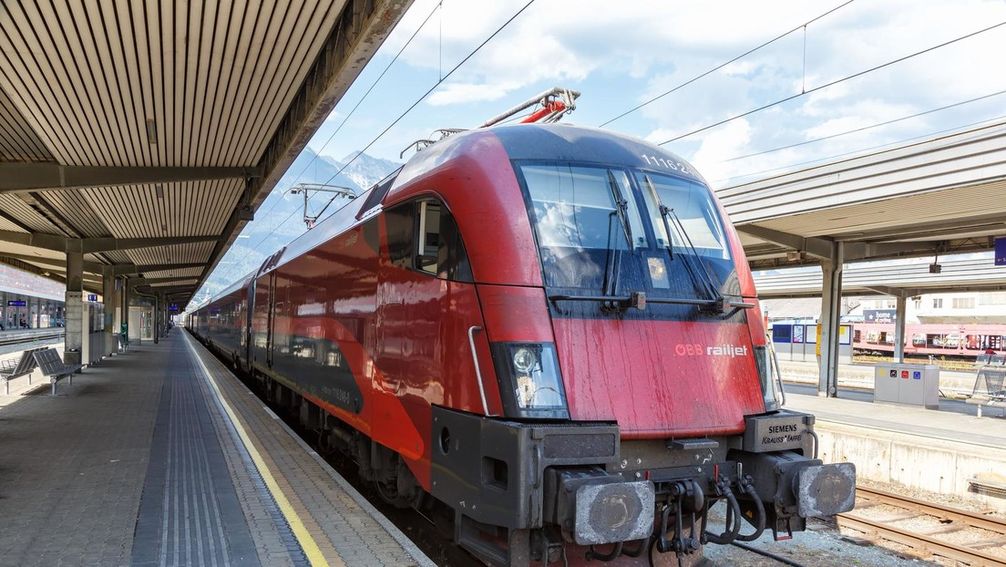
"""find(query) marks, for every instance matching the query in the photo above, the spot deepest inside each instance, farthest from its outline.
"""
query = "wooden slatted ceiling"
(6, 224)
(173, 254)
(192, 281)
(77, 211)
(87, 77)
(194, 272)
(14, 208)
(195, 208)
(18, 142)
(115, 257)
(121, 83)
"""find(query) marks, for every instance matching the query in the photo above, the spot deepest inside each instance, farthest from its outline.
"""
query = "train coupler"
(686, 496)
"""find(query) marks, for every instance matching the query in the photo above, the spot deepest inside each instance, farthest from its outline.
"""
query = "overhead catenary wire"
(988, 121)
(400, 117)
(366, 94)
(832, 83)
(427, 93)
(802, 26)
(864, 128)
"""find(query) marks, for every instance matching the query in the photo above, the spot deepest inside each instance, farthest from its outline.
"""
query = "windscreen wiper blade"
(717, 301)
(639, 299)
(612, 268)
(707, 280)
(621, 206)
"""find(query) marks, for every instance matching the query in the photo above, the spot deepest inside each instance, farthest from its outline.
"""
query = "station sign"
(92, 297)
(17, 303)
(1000, 247)
(879, 315)
(173, 307)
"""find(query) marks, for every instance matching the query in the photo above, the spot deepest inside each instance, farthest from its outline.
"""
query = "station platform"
(986, 431)
(160, 456)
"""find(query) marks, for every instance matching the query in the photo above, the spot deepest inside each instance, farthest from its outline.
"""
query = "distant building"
(962, 307)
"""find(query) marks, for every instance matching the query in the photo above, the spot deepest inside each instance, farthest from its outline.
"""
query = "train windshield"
(692, 207)
(596, 225)
(584, 207)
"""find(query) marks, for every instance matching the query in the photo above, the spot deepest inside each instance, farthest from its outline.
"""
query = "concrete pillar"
(157, 316)
(831, 315)
(108, 297)
(74, 308)
(899, 328)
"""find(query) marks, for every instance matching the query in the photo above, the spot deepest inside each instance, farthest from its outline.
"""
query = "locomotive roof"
(565, 142)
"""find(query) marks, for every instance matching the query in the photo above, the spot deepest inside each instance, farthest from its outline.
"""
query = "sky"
(619, 55)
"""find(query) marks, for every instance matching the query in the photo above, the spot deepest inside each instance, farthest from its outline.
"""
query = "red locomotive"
(550, 330)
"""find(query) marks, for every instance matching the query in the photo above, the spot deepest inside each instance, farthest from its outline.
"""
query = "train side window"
(440, 250)
(429, 237)
(399, 222)
(423, 236)
(452, 260)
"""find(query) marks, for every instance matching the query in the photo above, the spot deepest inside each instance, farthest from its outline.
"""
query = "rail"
(14, 337)
(953, 520)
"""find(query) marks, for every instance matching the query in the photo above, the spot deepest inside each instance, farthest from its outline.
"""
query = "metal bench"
(24, 366)
(989, 389)
(53, 367)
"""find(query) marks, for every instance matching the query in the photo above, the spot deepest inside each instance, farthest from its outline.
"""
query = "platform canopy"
(937, 196)
(891, 278)
(146, 134)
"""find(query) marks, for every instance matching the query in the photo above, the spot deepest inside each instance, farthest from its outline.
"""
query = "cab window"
(423, 236)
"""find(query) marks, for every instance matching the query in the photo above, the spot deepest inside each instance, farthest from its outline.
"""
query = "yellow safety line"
(307, 543)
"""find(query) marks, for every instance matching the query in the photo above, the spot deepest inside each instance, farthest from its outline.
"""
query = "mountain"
(280, 218)
(367, 170)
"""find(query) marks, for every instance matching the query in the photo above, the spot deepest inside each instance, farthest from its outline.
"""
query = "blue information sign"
(1001, 251)
(92, 297)
(173, 307)
(17, 303)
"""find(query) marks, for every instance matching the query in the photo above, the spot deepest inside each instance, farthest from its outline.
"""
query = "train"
(552, 333)
(965, 341)
(936, 339)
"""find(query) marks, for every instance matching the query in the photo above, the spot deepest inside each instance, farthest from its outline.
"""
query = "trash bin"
(910, 384)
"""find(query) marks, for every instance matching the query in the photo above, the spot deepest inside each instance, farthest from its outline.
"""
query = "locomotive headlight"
(524, 360)
(530, 382)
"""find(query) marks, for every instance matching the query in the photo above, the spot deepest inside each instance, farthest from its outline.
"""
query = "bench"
(989, 389)
(24, 366)
(53, 367)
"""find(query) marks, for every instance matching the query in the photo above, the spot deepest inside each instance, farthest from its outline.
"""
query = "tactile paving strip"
(346, 528)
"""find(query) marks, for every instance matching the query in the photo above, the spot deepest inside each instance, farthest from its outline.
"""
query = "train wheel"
(396, 485)
(388, 490)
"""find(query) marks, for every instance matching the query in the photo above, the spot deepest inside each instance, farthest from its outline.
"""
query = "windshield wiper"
(717, 301)
(703, 277)
(612, 268)
(608, 263)
(621, 207)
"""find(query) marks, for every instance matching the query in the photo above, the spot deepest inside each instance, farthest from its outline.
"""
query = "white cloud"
(455, 93)
(654, 46)
(718, 147)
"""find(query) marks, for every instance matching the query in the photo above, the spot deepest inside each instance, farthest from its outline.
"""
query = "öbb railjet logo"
(727, 350)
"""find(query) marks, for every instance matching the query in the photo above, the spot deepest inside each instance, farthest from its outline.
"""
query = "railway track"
(33, 338)
(932, 542)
